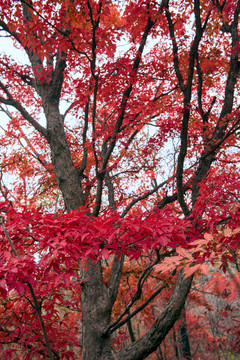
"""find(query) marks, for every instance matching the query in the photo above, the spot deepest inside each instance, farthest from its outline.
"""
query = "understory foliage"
(119, 179)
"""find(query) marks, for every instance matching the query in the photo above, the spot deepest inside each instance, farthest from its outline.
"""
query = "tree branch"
(208, 155)
(12, 102)
(144, 196)
(175, 49)
(115, 277)
(151, 340)
(187, 91)
(143, 277)
(84, 137)
(137, 310)
(119, 120)
(126, 94)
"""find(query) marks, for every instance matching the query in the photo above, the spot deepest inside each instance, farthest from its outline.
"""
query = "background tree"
(122, 138)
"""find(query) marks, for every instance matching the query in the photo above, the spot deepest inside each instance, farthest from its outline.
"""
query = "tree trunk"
(96, 312)
(96, 297)
(68, 177)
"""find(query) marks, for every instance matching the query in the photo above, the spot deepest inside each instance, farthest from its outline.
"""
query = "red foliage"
(138, 103)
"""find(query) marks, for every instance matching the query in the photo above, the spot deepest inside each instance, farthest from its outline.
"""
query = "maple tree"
(121, 143)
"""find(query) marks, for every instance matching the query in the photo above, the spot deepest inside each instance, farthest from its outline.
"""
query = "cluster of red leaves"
(49, 249)
(48, 242)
